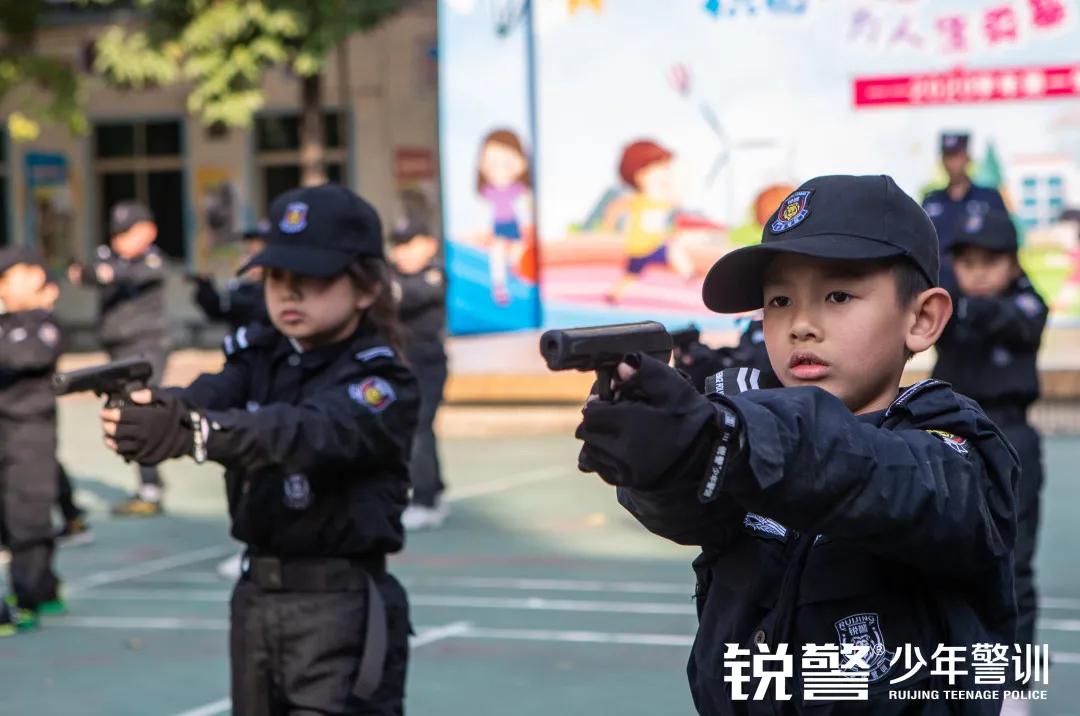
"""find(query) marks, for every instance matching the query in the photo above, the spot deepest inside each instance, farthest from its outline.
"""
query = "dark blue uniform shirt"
(946, 213)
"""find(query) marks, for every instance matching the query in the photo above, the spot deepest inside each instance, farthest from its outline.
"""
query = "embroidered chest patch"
(297, 492)
(863, 631)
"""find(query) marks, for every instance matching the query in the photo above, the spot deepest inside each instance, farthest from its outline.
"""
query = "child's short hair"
(910, 281)
(637, 156)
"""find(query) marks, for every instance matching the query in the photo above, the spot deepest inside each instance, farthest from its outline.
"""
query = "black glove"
(153, 433)
(207, 296)
(658, 424)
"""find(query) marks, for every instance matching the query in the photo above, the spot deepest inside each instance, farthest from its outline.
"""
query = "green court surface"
(541, 596)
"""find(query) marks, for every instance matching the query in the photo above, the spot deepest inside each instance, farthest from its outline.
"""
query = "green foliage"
(224, 47)
(46, 87)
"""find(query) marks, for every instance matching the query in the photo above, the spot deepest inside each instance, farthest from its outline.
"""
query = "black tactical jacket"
(29, 347)
(887, 529)
(315, 444)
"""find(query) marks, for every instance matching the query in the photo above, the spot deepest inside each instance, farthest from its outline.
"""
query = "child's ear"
(930, 312)
(366, 299)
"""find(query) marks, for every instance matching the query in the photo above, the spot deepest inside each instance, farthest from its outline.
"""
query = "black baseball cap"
(126, 214)
(991, 230)
(850, 218)
(15, 255)
(319, 231)
(406, 230)
(954, 142)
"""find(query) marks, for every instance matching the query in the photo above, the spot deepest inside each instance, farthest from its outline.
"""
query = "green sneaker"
(53, 607)
(14, 620)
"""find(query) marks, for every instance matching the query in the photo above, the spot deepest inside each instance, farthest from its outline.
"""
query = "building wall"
(388, 100)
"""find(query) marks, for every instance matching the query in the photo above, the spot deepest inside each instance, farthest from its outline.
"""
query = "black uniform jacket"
(884, 529)
(133, 302)
(315, 444)
(989, 347)
(243, 302)
(423, 310)
(29, 347)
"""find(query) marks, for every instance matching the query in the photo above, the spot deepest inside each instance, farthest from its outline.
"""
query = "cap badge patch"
(295, 219)
(974, 223)
(373, 393)
(792, 212)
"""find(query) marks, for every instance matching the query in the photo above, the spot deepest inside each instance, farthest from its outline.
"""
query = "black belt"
(333, 574)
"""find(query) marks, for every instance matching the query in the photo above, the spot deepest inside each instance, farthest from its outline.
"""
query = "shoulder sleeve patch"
(49, 334)
(153, 260)
(236, 342)
(374, 393)
(433, 277)
(1030, 305)
(373, 353)
(955, 442)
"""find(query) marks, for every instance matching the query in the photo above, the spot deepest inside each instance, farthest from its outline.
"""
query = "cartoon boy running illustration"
(645, 215)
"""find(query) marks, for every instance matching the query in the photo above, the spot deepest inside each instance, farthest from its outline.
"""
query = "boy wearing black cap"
(29, 347)
(129, 274)
(946, 207)
(987, 352)
(838, 510)
(313, 420)
(420, 282)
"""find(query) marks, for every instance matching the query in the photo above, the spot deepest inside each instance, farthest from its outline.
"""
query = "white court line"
(218, 707)
(434, 634)
(554, 585)
(473, 602)
(552, 605)
(150, 623)
(1059, 624)
(502, 484)
(142, 569)
(422, 600)
(425, 637)
(580, 637)
(456, 630)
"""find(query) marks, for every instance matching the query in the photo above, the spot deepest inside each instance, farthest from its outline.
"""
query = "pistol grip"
(604, 377)
(116, 400)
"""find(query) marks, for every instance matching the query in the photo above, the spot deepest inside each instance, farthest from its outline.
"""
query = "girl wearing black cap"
(313, 420)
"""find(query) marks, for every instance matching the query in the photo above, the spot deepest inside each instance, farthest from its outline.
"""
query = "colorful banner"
(663, 140)
(485, 121)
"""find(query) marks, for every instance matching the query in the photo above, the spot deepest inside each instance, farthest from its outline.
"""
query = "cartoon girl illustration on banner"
(645, 216)
(504, 179)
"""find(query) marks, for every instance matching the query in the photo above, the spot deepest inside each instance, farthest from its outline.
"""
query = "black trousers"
(153, 351)
(297, 653)
(424, 468)
(65, 497)
(1028, 446)
(27, 494)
